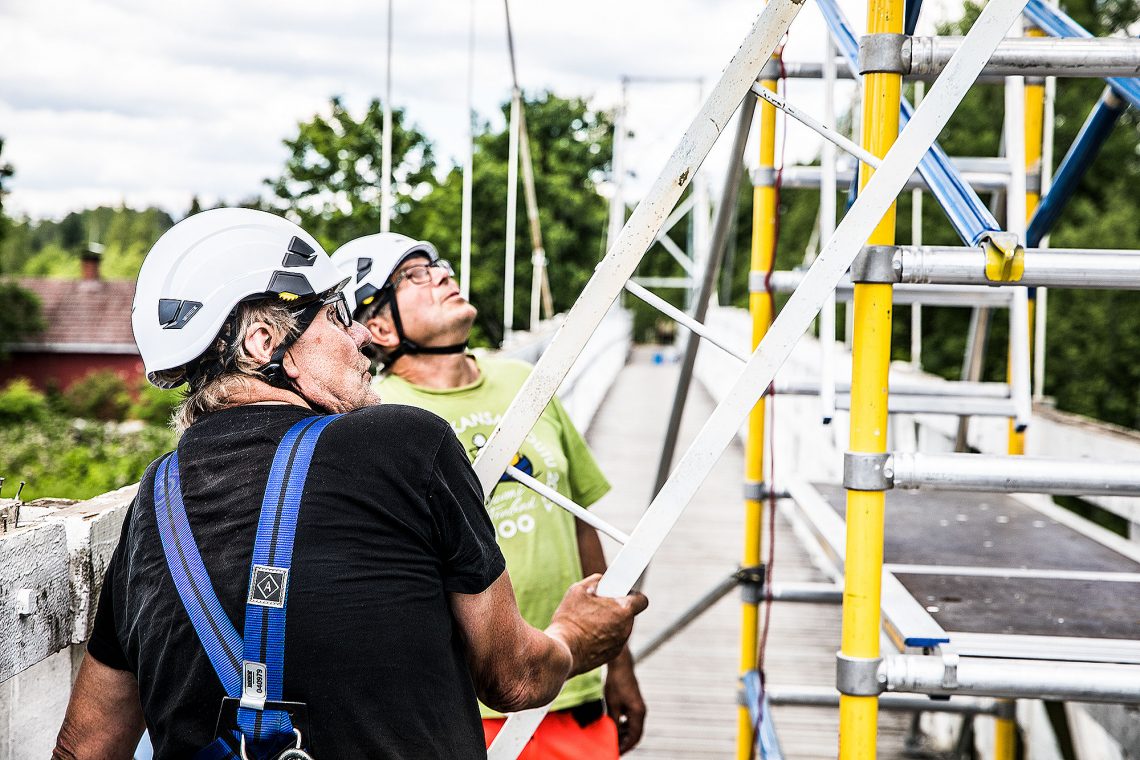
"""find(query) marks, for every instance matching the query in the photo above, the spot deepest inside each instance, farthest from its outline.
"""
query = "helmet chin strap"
(409, 346)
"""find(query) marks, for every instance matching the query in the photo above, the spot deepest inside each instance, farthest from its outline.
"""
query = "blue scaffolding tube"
(910, 20)
(1080, 157)
(1055, 23)
(970, 217)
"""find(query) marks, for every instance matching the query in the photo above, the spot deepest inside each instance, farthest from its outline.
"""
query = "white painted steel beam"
(818, 127)
(569, 505)
(682, 318)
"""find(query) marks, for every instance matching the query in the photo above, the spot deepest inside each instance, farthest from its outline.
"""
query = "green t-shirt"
(537, 537)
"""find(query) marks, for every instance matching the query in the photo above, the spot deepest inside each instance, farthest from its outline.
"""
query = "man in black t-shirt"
(400, 612)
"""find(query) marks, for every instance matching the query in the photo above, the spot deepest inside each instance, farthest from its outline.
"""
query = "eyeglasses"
(420, 274)
(340, 312)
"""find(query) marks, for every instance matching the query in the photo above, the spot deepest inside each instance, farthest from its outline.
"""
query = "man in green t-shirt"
(406, 296)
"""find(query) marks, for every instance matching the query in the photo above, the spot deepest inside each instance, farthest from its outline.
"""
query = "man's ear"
(383, 331)
(259, 342)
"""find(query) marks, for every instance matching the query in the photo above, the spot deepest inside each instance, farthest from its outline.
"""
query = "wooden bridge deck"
(690, 684)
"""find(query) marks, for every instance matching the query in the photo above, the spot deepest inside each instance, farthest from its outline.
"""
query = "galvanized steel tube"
(1030, 679)
(1054, 268)
(1090, 58)
(977, 472)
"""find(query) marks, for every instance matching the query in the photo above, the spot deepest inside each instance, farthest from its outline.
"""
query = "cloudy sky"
(110, 101)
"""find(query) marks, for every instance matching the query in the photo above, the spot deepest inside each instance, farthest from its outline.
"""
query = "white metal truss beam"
(797, 315)
(682, 318)
(569, 505)
(818, 127)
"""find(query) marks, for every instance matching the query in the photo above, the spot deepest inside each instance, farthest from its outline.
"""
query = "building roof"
(83, 316)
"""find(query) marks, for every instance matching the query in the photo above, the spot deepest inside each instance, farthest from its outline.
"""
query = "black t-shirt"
(391, 520)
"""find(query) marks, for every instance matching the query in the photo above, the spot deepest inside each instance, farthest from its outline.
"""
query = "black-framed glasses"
(420, 274)
(340, 312)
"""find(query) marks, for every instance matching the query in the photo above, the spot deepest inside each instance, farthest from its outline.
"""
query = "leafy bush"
(101, 395)
(20, 402)
(78, 459)
(154, 405)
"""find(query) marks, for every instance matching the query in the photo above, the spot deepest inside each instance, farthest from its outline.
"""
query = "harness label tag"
(267, 586)
(254, 688)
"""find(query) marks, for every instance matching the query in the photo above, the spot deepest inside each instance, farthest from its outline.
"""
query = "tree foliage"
(571, 146)
(331, 181)
(50, 248)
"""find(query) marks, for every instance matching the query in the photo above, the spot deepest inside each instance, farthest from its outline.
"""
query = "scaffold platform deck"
(993, 576)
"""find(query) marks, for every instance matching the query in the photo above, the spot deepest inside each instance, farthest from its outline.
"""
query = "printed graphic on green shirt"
(538, 539)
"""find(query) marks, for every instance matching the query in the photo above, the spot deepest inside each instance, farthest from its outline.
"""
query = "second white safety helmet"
(370, 260)
(203, 267)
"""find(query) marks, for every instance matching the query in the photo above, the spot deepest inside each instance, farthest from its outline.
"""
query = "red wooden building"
(88, 329)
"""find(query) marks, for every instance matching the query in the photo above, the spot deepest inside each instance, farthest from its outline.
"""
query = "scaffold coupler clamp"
(1005, 257)
(751, 581)
(868, 472)
(884, 53)
(876, 265)
(859, 676)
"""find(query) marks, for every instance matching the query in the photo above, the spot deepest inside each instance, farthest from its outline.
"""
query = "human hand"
(624, 702)
(594, 628)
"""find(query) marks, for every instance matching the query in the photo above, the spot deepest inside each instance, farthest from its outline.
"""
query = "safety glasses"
(420, 274)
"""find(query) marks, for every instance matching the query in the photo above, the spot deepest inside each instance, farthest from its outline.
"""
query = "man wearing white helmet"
(293, 496)
(405, 295)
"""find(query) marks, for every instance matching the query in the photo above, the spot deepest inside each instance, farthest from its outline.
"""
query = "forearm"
(104, 716)
(533, 676)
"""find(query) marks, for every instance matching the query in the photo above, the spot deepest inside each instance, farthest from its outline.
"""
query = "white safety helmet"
(203, 267)
(370, 261)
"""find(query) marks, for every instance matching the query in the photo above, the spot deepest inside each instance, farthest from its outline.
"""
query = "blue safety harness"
(251, 668)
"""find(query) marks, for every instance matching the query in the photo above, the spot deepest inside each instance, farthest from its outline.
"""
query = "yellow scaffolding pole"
(760, 307)
(871, 353)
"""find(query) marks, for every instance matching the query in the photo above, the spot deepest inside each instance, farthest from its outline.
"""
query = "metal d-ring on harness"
(251, 668)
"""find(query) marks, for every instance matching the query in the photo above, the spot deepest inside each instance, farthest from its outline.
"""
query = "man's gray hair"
(238, 367)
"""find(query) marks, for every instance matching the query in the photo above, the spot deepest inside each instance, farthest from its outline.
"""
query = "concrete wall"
(51, 571)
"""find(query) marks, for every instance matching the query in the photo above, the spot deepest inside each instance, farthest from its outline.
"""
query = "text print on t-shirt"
(511, 502)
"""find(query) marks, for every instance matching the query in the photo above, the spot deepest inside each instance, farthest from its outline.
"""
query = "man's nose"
(439, 275)
(360, 334)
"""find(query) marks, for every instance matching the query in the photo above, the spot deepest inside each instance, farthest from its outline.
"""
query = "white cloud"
(152, 103)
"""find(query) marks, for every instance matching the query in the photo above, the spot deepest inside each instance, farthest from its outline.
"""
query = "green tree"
(571, 145)
(331, 181)
(21, 316)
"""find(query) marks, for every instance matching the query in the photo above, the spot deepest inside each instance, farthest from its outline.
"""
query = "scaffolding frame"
(876, 198)
(862, 673)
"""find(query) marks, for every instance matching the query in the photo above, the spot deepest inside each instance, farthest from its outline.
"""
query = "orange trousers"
(559, 737)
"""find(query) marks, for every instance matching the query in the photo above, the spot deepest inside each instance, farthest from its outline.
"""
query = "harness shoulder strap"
(251, 667)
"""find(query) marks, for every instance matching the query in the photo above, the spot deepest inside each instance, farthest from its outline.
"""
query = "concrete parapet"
(51, 571)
